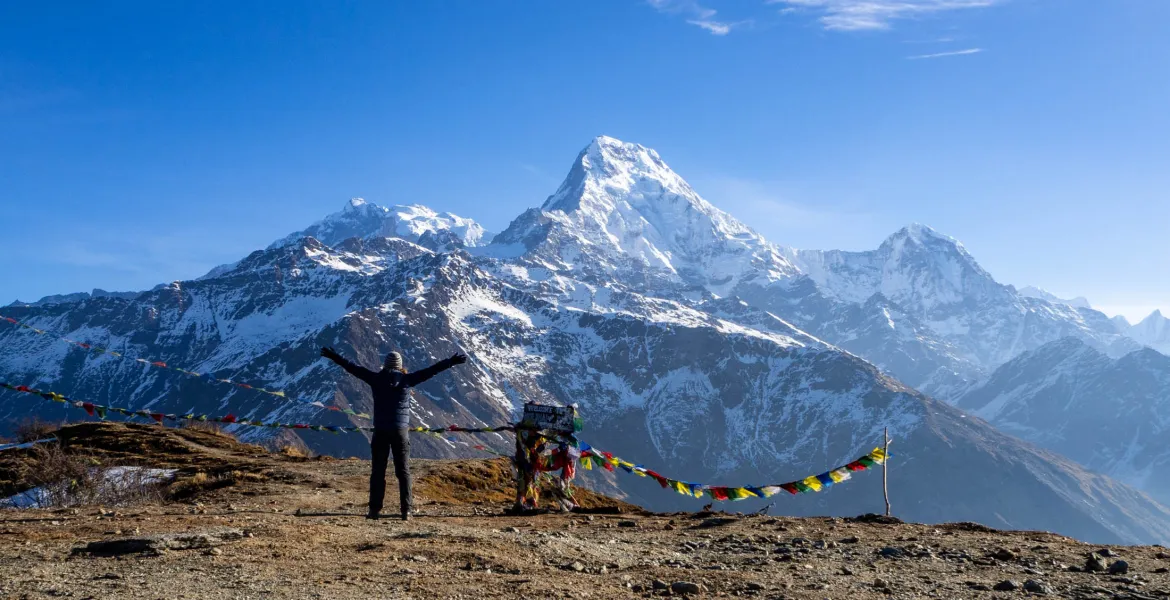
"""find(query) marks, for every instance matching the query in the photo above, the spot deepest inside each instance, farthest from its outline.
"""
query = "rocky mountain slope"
(680, 332)
(239, 522)
(1111, 415)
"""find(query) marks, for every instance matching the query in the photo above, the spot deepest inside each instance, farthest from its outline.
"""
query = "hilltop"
(240, 521)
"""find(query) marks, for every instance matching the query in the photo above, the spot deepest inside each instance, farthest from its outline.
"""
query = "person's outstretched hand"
(329, 353)
(458, 358)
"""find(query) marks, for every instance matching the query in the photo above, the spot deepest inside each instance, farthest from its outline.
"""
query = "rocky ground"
(243, 523)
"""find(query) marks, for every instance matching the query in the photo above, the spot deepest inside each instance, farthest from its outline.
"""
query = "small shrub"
(33, 429)
(65, 478)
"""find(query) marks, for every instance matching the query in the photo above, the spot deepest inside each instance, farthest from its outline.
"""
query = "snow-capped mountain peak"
(621, 204)
(916, 267)
(413, 223)
(1153, 331)
(921, 234)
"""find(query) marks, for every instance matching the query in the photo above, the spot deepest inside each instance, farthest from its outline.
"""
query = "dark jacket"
(390, 390)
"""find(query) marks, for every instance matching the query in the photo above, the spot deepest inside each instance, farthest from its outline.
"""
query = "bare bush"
(64, 478)
(33, 429)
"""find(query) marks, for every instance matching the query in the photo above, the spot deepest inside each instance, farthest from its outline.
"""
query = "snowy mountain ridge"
(1035, 292)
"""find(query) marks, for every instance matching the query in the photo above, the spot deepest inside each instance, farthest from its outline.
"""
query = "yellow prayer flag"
(812, 482)
(586, 463)
(680, 488)
(277, 393)
(878, 455)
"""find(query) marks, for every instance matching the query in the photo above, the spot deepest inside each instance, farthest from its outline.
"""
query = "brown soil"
(276, 526)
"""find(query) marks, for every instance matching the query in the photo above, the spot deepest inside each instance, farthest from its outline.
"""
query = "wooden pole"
(885, 469)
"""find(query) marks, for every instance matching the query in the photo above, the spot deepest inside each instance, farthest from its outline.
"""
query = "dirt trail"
(462, 546)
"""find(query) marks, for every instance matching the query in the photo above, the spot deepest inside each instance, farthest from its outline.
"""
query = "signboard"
(554, 418)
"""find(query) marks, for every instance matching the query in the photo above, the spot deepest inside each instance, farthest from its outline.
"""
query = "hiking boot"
(373, 516)
(406, 516)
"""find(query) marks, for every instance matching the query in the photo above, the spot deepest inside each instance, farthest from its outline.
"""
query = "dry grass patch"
(186, 489)
(492, 482)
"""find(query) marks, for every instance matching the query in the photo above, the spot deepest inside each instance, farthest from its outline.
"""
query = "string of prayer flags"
(100, 411)
(808, 485)
(163, 365)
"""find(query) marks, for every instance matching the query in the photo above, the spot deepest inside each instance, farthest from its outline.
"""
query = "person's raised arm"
(358, 371)
(417, 377)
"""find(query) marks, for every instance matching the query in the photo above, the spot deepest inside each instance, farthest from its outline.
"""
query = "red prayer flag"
(230, 418)
(10, 320)
(245, 386)
(718, 493)
(23, 388)
(855, 466)
(86, 346)
(88, 408)
(158, 417)
(159, 363)
(790, 488)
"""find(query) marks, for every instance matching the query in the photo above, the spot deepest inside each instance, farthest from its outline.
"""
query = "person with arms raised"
(390, 388)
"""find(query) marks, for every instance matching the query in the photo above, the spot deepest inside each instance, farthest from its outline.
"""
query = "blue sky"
(143, 142)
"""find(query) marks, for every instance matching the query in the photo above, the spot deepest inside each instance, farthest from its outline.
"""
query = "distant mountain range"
(1035, 292)
(1110, 414)
(691, 343)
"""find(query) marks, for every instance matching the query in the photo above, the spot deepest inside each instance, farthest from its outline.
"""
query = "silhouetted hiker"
(391, 420)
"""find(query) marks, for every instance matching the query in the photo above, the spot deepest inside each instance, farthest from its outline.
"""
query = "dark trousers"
(382, 444)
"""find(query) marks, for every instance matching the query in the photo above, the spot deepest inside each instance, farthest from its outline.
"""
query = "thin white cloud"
(696, 14)
(715, 27)
(941, 40)
(539, 173)
(860, 15)
(942, 54)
